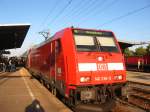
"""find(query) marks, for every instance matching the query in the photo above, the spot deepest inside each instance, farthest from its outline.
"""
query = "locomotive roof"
(123, 44)
(12, 35)
(71, 28)
(42, 43)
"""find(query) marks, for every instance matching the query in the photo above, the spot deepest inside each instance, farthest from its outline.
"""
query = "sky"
(128, 19)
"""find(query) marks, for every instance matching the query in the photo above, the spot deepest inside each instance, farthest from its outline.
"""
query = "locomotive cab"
(99, 71)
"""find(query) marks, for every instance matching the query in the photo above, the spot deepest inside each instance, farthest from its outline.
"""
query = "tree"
(148, 49)
(128, 52)
(140, 51)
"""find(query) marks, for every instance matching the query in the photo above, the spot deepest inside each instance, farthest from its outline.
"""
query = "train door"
(52, 62)
(55, 65)
(60, 74)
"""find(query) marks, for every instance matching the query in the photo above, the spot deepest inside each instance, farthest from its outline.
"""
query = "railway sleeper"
(139, 86)
(142, 89)
(141, 95)
(139, 101)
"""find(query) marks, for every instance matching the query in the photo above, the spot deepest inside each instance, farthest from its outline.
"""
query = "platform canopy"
(126, 44)
(12, 35)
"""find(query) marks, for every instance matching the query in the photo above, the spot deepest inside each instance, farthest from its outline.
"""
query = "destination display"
(93, 33)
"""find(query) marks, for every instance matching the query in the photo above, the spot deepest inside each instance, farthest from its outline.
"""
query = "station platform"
(139, 77)
(19, 92)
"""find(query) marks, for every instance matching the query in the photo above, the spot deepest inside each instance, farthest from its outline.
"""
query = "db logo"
(102, 66)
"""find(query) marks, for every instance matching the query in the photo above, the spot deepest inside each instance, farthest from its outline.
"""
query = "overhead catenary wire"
(95, 12)
(90, 10)
(86, 7)
(61, 12)
(123, 16)
(79, 12)
(74, 11)
(91, 5)
(50, 12)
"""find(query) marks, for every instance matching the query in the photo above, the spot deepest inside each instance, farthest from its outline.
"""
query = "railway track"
(138, 100)
(119, 106)
(138, 94)
(125, 106)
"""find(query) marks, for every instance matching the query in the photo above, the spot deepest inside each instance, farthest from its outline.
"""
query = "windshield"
(107, 44)
(95, 43)
(85, 43)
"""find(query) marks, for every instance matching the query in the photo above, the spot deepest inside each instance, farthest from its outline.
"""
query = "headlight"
(85, 79)
(118, 77)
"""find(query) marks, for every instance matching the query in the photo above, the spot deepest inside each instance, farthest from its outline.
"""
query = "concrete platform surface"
(19, 92)
(140, 77)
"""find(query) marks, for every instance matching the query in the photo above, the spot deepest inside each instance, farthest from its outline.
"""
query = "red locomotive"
(82, 65)
(140, 63)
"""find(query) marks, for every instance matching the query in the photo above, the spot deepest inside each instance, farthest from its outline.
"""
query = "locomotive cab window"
(85, 43)
(95, 41)
(107, 44)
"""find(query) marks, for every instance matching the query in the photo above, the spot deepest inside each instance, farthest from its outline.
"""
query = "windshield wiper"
(100, 47)
(98, 44)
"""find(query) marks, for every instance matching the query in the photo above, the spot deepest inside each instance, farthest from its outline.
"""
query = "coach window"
(58, 46)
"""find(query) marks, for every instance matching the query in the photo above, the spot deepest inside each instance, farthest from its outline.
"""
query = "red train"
(141, 63)
(81, 65)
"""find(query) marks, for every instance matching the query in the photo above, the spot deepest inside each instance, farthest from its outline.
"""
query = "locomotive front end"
(100, 69)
